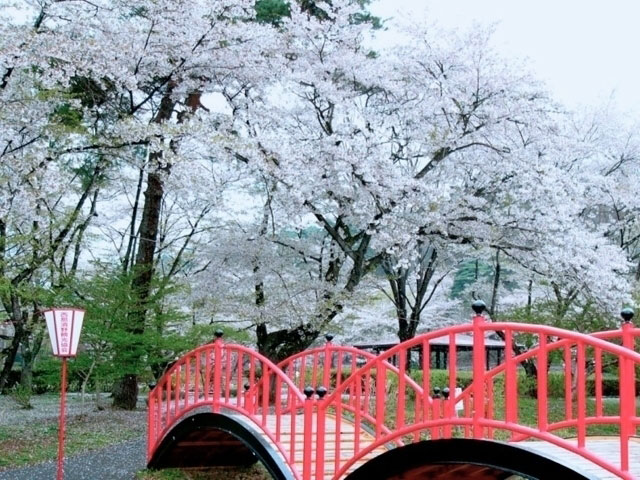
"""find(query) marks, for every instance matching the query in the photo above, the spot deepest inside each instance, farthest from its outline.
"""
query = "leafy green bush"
(22, 396)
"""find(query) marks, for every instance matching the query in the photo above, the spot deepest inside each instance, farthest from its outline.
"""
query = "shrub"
(22, 396)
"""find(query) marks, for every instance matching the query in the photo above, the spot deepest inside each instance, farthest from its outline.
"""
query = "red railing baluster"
(307, 454)
(597, 361)
(314, 374)
(436, 415)
(196, 393)
(453, 376)
(207, 374)
(278, 406)
(426, 379)
(400, 405)
(217, 373)
(366, 391)
(542, 367)
(339, 369)
(253, 403)
(239, 376)
(326, 365)
(320, 440)
(160, 425)
(478, 375)
(338, 435)
(381, 395)
(227, 373)
(582, 407)
(510, 380)
(353, 369)
(187, 380)
(177, 390)
(293, 415)
(490, 405)
(265, 392)
(627, 382)
(568, 397)
(358, 415)
(303, 373)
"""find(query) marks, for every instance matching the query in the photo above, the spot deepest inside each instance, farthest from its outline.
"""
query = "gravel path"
(47, 407)
(117, 462)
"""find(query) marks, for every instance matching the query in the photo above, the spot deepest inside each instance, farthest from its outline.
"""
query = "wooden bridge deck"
(605, 447)
(347, 439)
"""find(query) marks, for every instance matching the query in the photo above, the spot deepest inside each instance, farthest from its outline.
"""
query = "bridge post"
(328, 362)
(320, 432)
(307, 448)
(478, 367)
(217, 369)
(627, 372)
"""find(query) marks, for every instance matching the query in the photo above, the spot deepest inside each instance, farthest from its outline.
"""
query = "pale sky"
(585, 50)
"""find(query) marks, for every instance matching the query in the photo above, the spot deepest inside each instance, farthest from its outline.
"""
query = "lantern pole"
(64, 326)
(63, 398)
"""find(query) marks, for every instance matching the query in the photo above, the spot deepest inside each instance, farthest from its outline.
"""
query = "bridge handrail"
(533, 352)
(479, 328)
(369, 403)
(209, 346)
(164, 413)
(330, 347)
(557, 344)
(406, 345)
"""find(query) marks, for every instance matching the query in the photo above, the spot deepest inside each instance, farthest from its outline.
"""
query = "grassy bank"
(36, 441)
(255, 472)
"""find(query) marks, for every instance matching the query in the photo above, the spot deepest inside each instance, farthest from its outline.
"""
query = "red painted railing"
(476, 413)
(390, 405)
(220, 378)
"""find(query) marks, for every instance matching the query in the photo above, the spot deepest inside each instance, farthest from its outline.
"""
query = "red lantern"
(64, 325)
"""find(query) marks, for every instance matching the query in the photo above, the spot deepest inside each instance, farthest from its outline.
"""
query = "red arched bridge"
(560, 405)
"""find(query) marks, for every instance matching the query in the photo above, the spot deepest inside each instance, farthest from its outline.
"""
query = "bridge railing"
(490, 407)
(326, 366)
(221, 377)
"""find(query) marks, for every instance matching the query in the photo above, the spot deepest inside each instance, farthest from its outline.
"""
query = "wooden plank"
(607, 448)
(346, 447)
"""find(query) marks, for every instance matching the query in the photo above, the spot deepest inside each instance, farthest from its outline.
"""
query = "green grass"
(36, 442)
(254, 472)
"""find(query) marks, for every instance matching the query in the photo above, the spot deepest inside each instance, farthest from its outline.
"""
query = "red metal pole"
(63, 394)
(307, 449)
(478, 374)
(627, 396)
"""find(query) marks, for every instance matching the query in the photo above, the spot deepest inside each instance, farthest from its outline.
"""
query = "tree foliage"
(178, 165)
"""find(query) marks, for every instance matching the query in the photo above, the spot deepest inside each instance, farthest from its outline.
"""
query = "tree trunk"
(11, 354)
(496, 284)
(18, 319)
(30, 350)
(125, 392)
(280, 344)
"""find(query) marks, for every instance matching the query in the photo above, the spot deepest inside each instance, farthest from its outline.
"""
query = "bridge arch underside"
(463, 458)
(210, 439)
